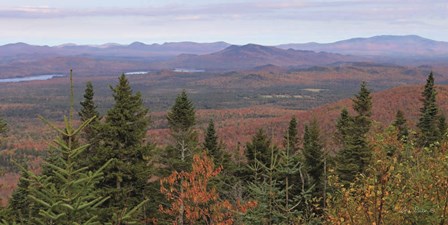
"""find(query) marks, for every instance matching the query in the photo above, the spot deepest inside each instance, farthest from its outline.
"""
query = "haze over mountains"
(22, 59)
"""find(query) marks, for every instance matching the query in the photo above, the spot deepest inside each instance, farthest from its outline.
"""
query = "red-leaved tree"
(192, 200)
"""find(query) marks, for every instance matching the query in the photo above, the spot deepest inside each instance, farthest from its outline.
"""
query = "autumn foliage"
(190, 193)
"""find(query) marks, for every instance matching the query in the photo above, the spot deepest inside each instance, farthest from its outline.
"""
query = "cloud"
(305, 10)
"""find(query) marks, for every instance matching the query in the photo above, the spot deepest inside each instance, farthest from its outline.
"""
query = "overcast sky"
(54, 22)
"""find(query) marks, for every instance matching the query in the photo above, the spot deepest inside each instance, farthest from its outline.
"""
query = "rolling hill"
(408, 46)
(251, 56)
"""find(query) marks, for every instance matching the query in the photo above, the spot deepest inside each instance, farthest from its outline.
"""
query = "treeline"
(106, 171)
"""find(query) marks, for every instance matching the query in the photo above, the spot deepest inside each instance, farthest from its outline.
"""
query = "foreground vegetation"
(104, 171)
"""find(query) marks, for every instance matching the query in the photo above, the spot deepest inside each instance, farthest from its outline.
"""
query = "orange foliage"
(189, 192)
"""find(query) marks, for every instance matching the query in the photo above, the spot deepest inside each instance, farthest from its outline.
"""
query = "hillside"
(408, 46)
(250, 56)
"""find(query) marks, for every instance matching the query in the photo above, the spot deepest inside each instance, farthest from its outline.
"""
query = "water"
(136, 73)
(183, 70)
(30, 78)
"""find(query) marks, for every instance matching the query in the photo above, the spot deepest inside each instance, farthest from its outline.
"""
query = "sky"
(269, 22)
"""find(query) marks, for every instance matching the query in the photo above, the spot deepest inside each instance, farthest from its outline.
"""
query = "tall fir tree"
(291, 139)
(90, 133)
(66, 194)
(88, 111)
(181, 120)
(442, 126)
(123, 139)
(401, 124)
(355, 155)
(259, 148)
(428, 122)
(211, 142)
(313, 156)
(20, 205)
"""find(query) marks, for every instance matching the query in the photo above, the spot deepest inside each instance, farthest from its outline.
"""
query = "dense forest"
(102, 169)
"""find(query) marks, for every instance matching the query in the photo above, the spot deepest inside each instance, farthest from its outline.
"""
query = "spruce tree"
(259, 148)
(313, 155)
(211, 143)
(88, 111)
(442, 126)
(90, 133)
(401, 124)
(181, 120)
(290, 140)
(67, 195)
(355, 153)
(122, 138)
(20, 205)
(427, 124)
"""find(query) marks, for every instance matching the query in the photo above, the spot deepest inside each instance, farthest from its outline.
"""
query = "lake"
(30, 78)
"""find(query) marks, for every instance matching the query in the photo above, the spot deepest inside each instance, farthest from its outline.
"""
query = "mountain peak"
(137, 44)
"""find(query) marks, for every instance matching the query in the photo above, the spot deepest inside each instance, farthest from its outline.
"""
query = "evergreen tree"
(90, 133)
(211, 142)
(355, 154)
(401, 124)
(427, 124)
(343, 125)
(313, 156)
(122, 138)
(259, 148)
(291, 139)
(67, 195)
(181, 120)
(20, 205)
(182, 115)
(442, 126)
(88, 111)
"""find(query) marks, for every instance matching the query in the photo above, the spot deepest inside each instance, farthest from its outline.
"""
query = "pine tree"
(211, 142)
(20, 205)
(122, 138)
(88, 111)
(355, 155)
(259, 148)
(90, 133)
(401, 124)
(427, 124)
(313, 156)
(67, 195)
(290, 139)
(181, 120)
(442, 126)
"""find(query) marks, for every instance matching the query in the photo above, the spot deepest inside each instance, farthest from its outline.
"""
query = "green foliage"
(20, 205)
(401, 124)
(122, 138)
(442, 126)
(211, 143)
(88, 111)
(181, 117)
(181, 120)
(67, 195)
(291, 138)
(259, 148)
(409, 186)
(313, 156)
(429, 132)
(355, 154)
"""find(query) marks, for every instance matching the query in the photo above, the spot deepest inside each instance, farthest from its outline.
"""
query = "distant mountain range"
(251, 56)
(385, 45)
(21, 59)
